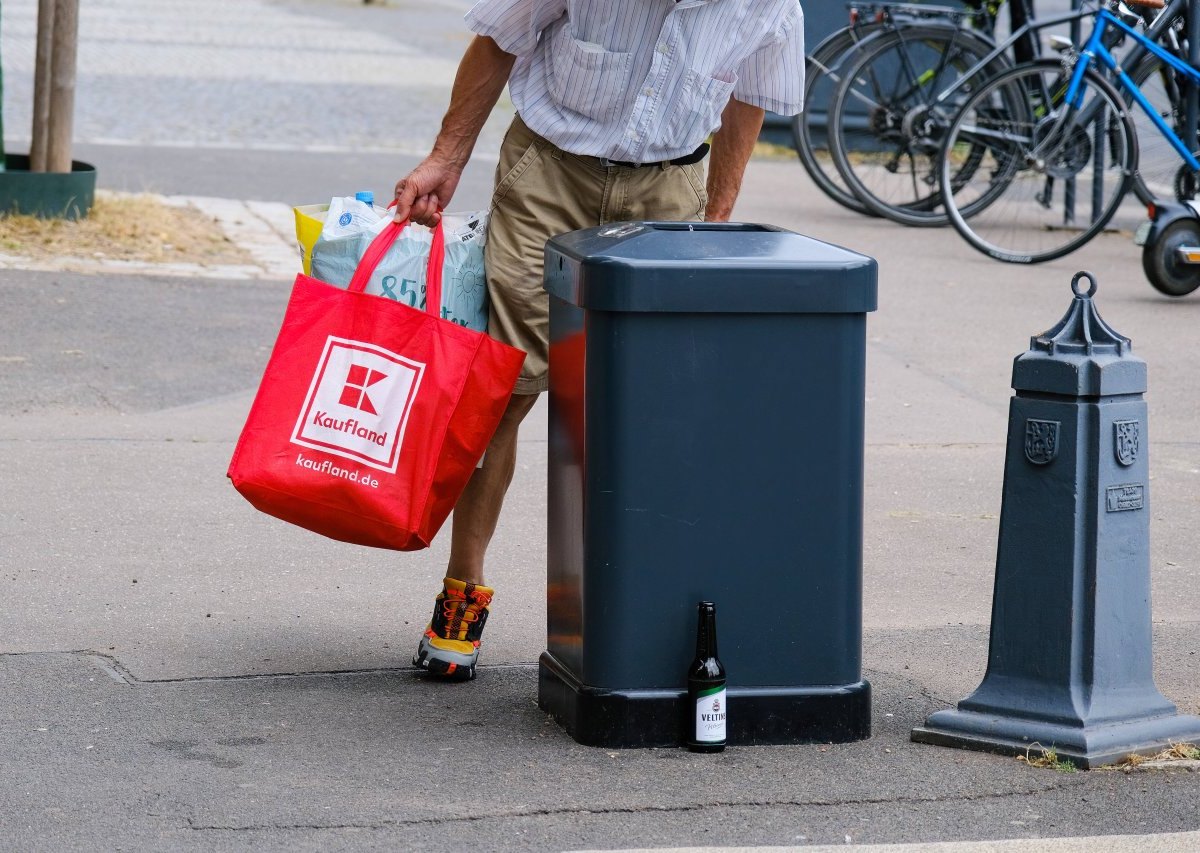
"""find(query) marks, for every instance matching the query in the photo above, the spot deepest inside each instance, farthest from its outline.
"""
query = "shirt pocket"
(586, 78)
(697, 112)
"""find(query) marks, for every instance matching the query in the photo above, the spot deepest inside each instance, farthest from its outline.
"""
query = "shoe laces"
(458, 608)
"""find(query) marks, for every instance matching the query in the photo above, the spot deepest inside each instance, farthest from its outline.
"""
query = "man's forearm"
(482, 75)
(732, 146)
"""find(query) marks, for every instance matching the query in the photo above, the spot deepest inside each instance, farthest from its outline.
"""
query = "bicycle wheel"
(822, 74)
(1159, 163)
(886, 130)
(1051, 177)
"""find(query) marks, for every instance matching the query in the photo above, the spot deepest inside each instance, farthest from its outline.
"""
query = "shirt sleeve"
(514, 24)
(773, 76)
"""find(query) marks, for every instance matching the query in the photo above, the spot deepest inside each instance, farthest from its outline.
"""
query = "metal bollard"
(1069, 666)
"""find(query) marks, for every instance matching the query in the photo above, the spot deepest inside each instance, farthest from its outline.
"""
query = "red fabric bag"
(371, 415)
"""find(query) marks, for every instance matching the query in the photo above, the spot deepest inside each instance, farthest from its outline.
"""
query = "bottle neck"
(706, 634)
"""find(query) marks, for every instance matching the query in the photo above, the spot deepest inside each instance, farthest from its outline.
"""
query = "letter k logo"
(358, 380)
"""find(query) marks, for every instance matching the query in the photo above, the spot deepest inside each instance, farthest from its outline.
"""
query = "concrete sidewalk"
(180, 671)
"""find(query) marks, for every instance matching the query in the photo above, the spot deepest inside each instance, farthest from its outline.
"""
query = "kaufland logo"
(358, 403)
(358, 380)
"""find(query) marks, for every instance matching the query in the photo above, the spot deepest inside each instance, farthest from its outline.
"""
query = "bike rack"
(1192, 113)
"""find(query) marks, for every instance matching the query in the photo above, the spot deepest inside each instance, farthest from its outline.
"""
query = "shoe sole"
(448, 665)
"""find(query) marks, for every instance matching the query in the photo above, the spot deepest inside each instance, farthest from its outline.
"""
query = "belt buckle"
(618, 164)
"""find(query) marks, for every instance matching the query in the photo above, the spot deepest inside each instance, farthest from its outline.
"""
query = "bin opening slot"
(708, 226)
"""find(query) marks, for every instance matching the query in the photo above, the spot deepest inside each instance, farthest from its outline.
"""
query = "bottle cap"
(365, 196)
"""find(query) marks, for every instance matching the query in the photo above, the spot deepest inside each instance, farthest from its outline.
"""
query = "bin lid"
(711, 267)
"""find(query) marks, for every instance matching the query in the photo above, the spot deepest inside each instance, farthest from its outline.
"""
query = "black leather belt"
(686, 160)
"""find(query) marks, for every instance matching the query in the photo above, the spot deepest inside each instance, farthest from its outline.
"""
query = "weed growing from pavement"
(124, 227)
(1047, 759)
(1039, 756)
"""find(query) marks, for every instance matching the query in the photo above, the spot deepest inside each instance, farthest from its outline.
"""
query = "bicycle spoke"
(886, 133)
(1050, 177)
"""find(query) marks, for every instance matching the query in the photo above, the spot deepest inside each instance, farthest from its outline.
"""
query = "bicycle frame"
(1144, 42)
(1032, 26)
(1095, 50)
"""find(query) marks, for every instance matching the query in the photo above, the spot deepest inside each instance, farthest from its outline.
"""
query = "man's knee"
(519, 405)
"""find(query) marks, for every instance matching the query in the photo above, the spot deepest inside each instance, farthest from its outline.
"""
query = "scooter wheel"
(1167, 272)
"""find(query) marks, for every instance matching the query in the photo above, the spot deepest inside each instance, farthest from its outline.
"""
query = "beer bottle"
(706, 687)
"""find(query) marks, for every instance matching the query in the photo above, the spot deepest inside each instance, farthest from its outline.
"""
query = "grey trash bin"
(706, 441)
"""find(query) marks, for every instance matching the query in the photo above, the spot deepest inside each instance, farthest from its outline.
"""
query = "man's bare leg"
(450, 644)
(478, 510)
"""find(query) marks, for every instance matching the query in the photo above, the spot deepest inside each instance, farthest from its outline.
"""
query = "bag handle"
(380, 246)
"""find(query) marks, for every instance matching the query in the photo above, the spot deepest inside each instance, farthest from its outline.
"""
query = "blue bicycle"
(1060, 145)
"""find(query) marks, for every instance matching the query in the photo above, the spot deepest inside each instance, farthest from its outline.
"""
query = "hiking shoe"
(450, 646)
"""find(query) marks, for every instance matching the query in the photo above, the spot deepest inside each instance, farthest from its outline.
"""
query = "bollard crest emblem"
(1126, 441)
(1041, 441)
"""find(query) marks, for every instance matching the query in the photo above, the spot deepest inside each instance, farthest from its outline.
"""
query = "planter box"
(49, 195)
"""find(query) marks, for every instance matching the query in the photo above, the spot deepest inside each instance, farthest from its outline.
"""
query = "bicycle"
(1057, 137)
(883, 125)
(891, 165)
(823, 73)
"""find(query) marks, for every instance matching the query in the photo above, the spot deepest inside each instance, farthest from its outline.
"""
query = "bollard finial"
(1075, 284)
(1081, 355)
(1081, 331)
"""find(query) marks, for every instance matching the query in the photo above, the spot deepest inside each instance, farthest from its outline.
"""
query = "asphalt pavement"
(178, 671)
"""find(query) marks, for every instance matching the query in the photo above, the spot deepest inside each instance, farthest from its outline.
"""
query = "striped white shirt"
(644, 80)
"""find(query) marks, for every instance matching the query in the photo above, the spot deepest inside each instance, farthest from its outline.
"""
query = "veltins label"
(358, 403)
(710, 716)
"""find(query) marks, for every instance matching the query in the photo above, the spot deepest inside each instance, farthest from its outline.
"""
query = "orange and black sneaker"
(450, 646)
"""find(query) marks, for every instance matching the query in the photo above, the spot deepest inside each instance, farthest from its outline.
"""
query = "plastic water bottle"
(348, 215)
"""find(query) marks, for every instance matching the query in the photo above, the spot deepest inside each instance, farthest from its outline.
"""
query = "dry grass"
(124, 227)
(772, 151)
(1038, 756)
(1176, 752)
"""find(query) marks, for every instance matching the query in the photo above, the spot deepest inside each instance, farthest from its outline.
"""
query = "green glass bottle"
(706, 687)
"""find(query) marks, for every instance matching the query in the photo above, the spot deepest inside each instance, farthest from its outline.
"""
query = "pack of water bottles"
(351, 224)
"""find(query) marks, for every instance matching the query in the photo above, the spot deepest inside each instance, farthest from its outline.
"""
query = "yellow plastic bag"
(310, 218)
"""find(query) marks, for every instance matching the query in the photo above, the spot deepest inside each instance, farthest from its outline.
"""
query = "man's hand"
(426, 191)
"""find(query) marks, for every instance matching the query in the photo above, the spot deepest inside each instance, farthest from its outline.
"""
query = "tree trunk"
(40, 139)
(62, 85)
(2, 157)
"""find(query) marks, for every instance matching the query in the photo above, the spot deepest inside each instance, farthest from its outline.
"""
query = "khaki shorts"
(541, 192)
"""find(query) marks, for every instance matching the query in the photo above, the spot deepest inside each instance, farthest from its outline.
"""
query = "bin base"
(596, 716)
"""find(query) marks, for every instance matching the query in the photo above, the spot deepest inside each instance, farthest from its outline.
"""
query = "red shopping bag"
(371, 415)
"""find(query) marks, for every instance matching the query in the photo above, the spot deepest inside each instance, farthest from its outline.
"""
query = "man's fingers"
(420, 209)
(406, 194)
(425, 210)
(413, 204)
